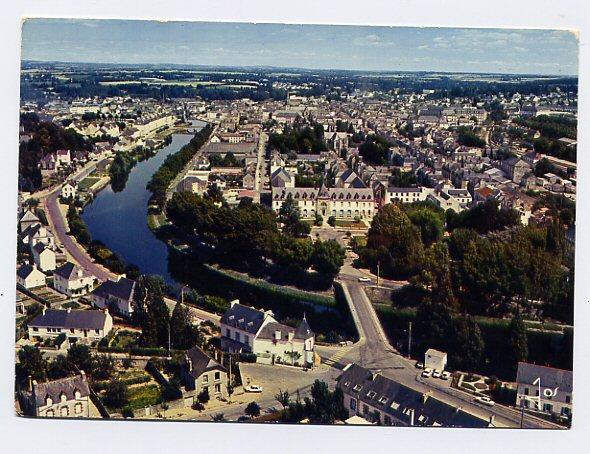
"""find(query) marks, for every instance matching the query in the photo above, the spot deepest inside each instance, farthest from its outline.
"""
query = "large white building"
(341, 203)
(77, 325)
(246, 329)
(72, 280)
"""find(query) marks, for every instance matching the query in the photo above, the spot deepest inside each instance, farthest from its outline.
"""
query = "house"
(116, 295)
(435, 359)
(76, 325)
(39, 234)
(246, 329)
(30, 277)
(376, 398)
(406, 195)
(28, 220)
(349, 179)
(280, 178)
(544, 389)
(72, 280)
(65, 398)
(63, 157)
(44, 257)
(68, 190)
(202, 373)
(515, 169)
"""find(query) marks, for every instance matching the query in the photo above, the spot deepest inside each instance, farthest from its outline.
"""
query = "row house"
(77, 325)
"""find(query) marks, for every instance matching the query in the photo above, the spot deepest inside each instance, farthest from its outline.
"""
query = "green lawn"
(71, 305)
(87, 182)
(125, 339)
(144, 396)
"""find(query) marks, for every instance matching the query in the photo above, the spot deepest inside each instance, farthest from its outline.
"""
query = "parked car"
(253, 389)
(485, 401)
(436, 373)
(419, 365)
(445, 375)
(244, 418)
(364, 279)
(426, 373)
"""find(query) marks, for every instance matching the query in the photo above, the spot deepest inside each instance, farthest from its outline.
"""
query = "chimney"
(83, 375)
(425, 396)
(44, 309)
(30, 383)
(277, 334)
(412, 412)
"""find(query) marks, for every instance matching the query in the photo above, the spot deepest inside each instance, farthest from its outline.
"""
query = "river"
(119, 219)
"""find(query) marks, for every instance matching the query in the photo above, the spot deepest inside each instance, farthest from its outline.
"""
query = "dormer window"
(48, 401)
(357, 388)
(382, 400)
(77, 394)
(63, 397)
(371, 394)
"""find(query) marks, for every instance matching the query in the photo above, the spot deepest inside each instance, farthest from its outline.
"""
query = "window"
(50, 413)
(217, 388)
(227, 332)
(347, 383)
(352, 404)
(357, 388)
(35, 329)
(217, 375)
(78, 408)
(64, 411)
(526, 391)
(365, 409)
(382, 400)
(387, 420)
(371, 394)
(205, 378)
(97, 331)
(72, 330)
(548, 407)
(568, 399)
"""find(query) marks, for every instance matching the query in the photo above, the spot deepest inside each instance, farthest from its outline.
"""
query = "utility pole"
(378, 269)
(169, 356)
(410, 341)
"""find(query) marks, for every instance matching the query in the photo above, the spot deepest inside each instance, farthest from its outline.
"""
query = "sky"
(515, 51)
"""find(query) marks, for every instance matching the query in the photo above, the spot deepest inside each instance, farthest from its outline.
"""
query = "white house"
(246, 329)
(544, 389)
(435, 359)
(72, 280)
(45, 258)
(30, 277)
(117, 295)
(65, 398)
(76, 325)
(68, 190)
(201, 373)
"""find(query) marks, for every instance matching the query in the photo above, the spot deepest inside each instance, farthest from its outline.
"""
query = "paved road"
(76, 252)
(373, 351)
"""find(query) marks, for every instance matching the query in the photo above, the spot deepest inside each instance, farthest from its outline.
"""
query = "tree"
(203, 396)
(59, 368)
(434, 324)
(325, 407)
(436, 275)
(31, 364)
(283, 397)
(468, 343)
(218, 417)
(80, 358)
(327, 258)
(116, 394)
(182, 333)
(429, 221)
(215, 193)
(104, 367)
(517, 340)
(252, 409)
(395, 242)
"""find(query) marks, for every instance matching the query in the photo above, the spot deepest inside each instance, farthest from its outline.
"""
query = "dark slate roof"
(69, 271)
(550, 377)
(397, 189)
(201, 362)
(243, 317)
(123, 288)
(55, 388)
(399, 401)
(79, 319)
(24, 271)
(303, 331)
(39, 247)
(268, 331)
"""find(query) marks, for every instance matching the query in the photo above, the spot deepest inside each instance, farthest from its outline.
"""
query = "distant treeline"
(173, 165)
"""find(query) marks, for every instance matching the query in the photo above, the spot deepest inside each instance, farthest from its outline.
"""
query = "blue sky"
(303, 46)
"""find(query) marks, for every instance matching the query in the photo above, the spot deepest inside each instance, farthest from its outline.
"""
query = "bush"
(332, 221)
(198, 406)
(127, 412)
(247, 358)
(203, 396)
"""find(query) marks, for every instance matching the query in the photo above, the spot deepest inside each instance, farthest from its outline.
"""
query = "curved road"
(374, 351)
